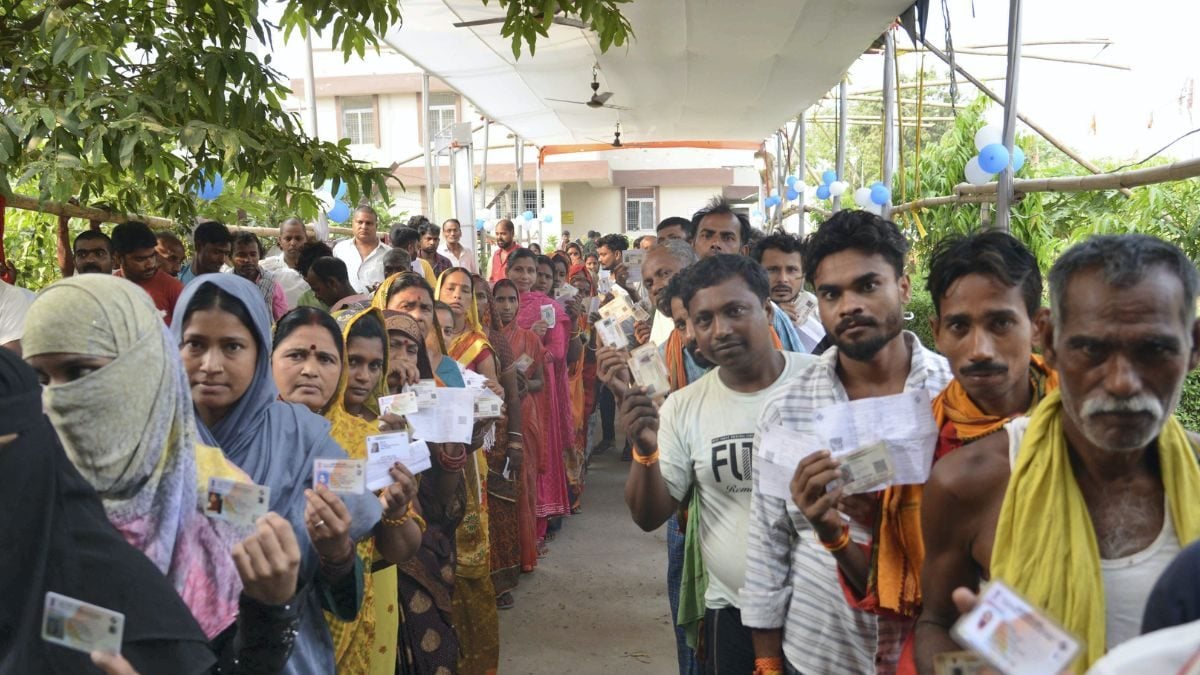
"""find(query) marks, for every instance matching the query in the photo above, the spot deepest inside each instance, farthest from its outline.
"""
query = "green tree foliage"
(525, 20)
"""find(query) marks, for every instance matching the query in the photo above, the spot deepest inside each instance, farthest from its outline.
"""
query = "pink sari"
(555, 404)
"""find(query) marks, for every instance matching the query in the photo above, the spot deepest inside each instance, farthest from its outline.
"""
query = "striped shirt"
(791, 580)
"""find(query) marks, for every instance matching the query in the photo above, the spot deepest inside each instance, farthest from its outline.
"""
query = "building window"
(510, 209)
(639, 209)
(358, 120)
(443, 112)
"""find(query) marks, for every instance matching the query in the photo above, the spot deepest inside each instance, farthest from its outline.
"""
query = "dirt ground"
(598, 602)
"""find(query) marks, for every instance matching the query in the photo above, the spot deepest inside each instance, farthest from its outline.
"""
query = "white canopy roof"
(698, 69)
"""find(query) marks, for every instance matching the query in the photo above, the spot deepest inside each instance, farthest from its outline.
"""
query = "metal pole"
(310, 102)
(481, 242)
(801, 126)
(1004, 196)
(537, 202)
(889, 113)
(519, 166)
(780, 177)
(843, 131)
(430, 188)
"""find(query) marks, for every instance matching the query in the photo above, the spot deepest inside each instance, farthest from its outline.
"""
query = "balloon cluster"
(873, 198)
(830, 185)
(336, 210)
(772, 200)
(210, 189)
(993, 157)
(527, 216)
(795, 187)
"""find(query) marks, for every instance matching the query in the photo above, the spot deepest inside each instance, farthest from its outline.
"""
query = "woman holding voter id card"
(96, 339)
(366, 644)
(223, 332)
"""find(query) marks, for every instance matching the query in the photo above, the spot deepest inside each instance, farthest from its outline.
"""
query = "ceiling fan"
(561, 20)
(598, 100)
(616, 141)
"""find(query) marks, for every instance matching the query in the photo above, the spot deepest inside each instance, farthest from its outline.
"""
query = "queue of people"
(1050, 459)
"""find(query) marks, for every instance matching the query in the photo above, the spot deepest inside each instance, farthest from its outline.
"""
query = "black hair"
(719, 206)
(1125, 260)
(993, 253)
(546, 260)
(397, 256)
(403, 235)
(309, 253)
(780, 241)
(717, 269)
(672, 221)
(859, 230)
(415, 222)
(307, 316)
(93, 235)
(292, 221)
(574, 245)
(456, 221)
(614, 242)
(131, 236)
(507, 221)
(211, 296)
(242, 237)
(439, 306)
(586, 256)
(518, 254)
(675, 289)
(366, 208)
(329, 267)
(637, 243)
(211, 232)
(368, 327)
(430, 229)
(410, 280)
(163, 235)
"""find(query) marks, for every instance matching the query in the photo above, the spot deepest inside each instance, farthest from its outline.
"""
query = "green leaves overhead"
(526, 20)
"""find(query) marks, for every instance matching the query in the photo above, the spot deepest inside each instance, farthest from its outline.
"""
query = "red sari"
(527, 342)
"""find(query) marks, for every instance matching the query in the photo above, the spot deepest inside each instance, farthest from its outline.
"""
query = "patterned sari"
(367, 644)
(576, 380)
(474, 598)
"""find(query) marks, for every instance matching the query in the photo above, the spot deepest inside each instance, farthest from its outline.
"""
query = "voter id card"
(400, 404)
(234, 502)
(1014, 636)
(344, 476)
(866, 469)
(649, 371)
(548, 315)
(81, 626)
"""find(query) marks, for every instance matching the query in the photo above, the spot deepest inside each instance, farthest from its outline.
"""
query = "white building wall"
(683, 201)
(594, 208)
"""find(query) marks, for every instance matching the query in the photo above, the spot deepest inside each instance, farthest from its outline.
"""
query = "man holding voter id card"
(1079, 507)
(852, 422)
(689, 448)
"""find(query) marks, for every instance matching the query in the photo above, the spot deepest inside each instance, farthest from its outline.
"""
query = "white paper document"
(450, 421)
(384, 450)
(773, 479)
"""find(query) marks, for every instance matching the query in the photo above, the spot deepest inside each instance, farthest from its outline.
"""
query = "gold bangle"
(646, 460)
(842, 542)
(398, 522)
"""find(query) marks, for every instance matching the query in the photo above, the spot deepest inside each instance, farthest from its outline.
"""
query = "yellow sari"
(474, 600)
(366, 645)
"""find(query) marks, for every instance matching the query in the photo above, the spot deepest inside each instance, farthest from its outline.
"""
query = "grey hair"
(1125, 259)
(683, 251)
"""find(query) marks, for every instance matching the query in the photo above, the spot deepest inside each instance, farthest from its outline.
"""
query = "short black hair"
(328, 268)
(429, 228)
(780, 241)
(546, 260)
(675, 289)
(673, 221)
(211, 232)
(307, 316)
(992, 253)
(169, 237)
(614, 242)
(397, 257)
(416, 221)
(93, 235)
(719, 206)
(408, 280)
(717, 269)
(310, 252)
(1125, 260)
(242, 237)
(130, 236)
(859, 230)
(403, 235)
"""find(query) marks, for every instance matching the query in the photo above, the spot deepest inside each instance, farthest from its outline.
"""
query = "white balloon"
(862, 197)
(975, 173)
(838, 187)
(988, 135)
(800, 187)
(877, 209)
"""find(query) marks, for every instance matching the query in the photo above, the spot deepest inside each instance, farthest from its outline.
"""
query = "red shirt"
(499, 262)
(164, 289)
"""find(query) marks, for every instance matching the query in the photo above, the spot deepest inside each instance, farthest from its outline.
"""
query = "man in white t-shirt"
(452, 248)
(363, 253)
(702, 439)
(14, 303)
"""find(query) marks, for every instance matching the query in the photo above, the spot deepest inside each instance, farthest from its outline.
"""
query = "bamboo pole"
(808, 208)
(1037, 128)
(25, 203)
(936, 83)
(1036, 57)
(927, 202)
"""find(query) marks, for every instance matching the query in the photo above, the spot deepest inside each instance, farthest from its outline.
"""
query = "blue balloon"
(547, 218)
(993, 158)
(877, 183)
(792, 195)
(479, 223)
(822, 192)
(828, 177)
(880, 194)
(210, 189)
(1018, 158)
(791, 181)
(528, 215)
(328, 187)
(340, 211)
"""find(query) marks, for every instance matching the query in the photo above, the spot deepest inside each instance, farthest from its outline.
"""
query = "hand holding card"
(81, 626)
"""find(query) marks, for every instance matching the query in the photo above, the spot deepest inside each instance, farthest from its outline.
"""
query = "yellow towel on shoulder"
(1045, 545)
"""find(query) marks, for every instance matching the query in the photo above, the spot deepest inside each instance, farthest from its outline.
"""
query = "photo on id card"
(1014, 636)
(81, 626)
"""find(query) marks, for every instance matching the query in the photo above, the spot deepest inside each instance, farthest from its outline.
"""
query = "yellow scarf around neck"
(1045, 546)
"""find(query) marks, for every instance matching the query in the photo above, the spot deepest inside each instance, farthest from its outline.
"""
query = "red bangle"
(452, 463)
